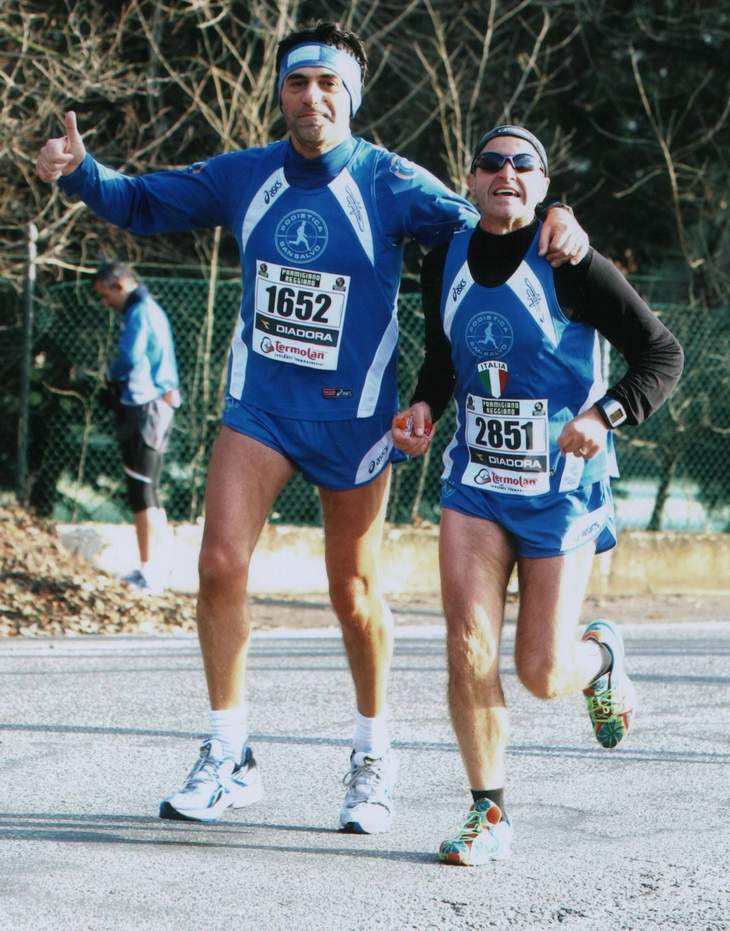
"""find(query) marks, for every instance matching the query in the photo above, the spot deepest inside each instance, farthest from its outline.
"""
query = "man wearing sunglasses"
(320, 220)
(526, 477)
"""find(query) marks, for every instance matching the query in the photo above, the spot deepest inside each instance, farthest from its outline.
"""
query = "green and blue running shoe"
(484, 836)
(611, 697)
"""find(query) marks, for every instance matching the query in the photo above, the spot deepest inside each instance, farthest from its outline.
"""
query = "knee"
(352, 600)
(221, 569)
(142, 495)
(539, 676)
(473, 651)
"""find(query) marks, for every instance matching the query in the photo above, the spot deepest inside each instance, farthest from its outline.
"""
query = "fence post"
(21, 483)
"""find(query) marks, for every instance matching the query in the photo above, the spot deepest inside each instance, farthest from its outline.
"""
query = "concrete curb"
(291, 559)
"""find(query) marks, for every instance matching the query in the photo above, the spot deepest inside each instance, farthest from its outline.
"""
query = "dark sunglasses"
(493, 161)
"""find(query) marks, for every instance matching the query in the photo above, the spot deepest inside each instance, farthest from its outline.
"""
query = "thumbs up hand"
(62, 155)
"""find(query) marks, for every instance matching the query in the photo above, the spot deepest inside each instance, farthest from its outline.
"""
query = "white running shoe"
(368, 806)
(214, 784)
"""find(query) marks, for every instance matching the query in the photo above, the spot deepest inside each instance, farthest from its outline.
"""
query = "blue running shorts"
(335, 454)
(543, 525)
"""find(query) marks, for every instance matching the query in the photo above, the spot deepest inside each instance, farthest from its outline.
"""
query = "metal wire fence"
(674, 467)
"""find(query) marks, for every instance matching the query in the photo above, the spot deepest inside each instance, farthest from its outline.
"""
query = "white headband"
(319, 55)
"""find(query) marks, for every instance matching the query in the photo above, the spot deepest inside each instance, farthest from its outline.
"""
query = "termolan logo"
(304, 352)
(271, 192)
(301, 236)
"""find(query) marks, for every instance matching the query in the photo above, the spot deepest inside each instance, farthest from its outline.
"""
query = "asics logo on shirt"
(271, 193)
(457, 289)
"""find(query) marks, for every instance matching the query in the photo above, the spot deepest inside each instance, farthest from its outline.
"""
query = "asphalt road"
(93, 732)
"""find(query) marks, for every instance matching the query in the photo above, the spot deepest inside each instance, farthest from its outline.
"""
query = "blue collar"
(134, 297)
(317, 172)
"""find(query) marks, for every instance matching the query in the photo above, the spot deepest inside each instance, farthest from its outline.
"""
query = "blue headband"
(319, 55)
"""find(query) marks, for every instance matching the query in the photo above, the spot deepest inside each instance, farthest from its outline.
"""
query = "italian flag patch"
(493, 376)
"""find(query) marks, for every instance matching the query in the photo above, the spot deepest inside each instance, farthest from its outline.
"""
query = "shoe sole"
(170, 813)
(238, 799)
(455, 859)
(355, 827)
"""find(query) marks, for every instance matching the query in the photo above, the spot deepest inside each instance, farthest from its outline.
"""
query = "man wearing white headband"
(319, 55)
(320, 220)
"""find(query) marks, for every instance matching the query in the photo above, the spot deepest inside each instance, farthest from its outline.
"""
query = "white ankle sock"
(371, 734)
(230, 726)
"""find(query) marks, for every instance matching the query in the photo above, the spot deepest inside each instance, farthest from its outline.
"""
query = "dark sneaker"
(143, 584)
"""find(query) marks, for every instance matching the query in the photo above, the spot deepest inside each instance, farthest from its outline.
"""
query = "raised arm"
(62, 154)
(200, 196)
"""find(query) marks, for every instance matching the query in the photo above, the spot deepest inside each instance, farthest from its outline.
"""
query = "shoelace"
(206, 766)
(603, 704)
(472, 826)
(364, 780)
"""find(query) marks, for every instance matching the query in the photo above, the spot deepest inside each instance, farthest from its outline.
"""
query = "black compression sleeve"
(596, 293)
(436, 377)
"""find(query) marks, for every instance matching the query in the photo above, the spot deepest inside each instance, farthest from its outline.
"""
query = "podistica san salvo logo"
(489, 334)
(301, 236)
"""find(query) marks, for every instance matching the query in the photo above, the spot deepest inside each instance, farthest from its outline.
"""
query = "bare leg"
(476, 558)
(142, 530)
(150, 527)
(353, 526)
(244, 478)
(551, 661)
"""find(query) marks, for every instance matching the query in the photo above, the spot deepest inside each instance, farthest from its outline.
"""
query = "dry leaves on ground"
(47, 591)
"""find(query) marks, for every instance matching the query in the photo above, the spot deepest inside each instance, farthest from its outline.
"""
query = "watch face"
(614, 412)
(616, 417)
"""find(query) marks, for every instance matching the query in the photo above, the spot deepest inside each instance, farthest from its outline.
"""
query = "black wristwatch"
(612, 411)
(541, 211)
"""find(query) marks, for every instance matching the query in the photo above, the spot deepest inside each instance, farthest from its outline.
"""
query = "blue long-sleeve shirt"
(146, 363)
(321, 245)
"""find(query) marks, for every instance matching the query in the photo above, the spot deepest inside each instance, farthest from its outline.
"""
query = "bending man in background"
(144, 379)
